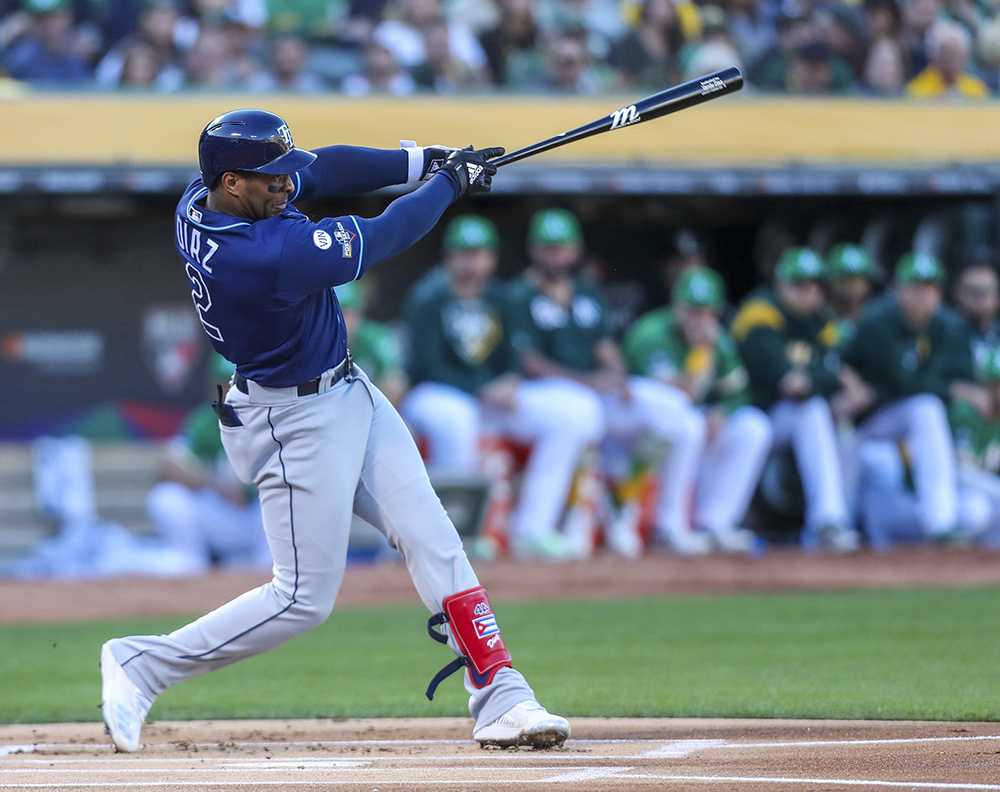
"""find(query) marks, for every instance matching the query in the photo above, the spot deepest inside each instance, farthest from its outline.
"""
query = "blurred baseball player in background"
(787, 338)
(374, 347)
(685, 347)
(459, 352)
(977, 298)
(307, 426)
(915, 356)
(852, 275)
(200, 508)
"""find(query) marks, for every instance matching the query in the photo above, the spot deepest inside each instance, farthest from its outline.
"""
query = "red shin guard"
(476, 632)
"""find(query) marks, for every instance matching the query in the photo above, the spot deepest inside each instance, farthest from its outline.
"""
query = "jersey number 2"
(202, 302)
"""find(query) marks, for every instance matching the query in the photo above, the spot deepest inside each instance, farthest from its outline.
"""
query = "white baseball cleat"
(527, 723)
(123, 705)
(732, 539)
(687, 543)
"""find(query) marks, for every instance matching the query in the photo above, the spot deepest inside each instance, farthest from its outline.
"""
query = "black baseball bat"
(670, 100)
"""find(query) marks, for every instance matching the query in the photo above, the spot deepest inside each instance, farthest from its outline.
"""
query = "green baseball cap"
(798, 264)
(845, 261)
(555, 227)
(701, 287)
(919, 268)
(350, 296)
(469, 232)
(221, 368)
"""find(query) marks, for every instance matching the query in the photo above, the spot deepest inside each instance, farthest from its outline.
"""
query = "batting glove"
(424, 161)
(471, 171)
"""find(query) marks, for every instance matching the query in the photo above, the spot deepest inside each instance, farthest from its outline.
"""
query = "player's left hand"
(470, 170)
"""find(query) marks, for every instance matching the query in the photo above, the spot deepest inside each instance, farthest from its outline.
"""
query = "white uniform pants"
(807, 426)
(316, 460)
(560, 419)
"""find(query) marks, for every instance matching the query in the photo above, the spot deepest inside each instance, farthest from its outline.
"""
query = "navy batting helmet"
(249, 140)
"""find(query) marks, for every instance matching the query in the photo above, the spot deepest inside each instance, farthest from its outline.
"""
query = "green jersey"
(983, 343)
(375, 349)
(566, 335)
(773, 341)
(898, 361)
(655, 347)
(201, 437)
(455, 341)
(977, 439)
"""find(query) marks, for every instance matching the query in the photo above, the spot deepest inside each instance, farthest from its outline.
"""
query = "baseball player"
(560, 335)
(915, 356)
(459, 353)
(307, 426)
(374, 347)
(786, 338)
(977, 298)
(852, 276)
(685, 347)
(200, 508)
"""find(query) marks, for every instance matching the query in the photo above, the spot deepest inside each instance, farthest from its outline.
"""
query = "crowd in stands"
(918, 48)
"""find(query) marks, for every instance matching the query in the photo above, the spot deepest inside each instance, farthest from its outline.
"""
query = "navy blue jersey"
(263, 289)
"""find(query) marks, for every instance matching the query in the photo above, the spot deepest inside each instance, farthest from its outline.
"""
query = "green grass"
(883, 654)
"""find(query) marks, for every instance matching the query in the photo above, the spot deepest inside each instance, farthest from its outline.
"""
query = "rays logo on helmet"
(486, 626)
(345, 238)
(321, 239)
(285, 134)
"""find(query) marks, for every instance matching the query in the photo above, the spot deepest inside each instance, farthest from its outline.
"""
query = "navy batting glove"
(471, 171)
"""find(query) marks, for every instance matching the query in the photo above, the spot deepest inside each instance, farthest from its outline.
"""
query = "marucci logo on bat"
(712, 85)
(624, 117)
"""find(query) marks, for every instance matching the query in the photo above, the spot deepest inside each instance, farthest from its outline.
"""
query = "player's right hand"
(470, 171)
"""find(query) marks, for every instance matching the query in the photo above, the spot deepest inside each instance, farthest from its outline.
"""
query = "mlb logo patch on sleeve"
(486, 625)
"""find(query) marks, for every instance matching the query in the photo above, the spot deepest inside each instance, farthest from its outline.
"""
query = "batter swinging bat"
(671, 100)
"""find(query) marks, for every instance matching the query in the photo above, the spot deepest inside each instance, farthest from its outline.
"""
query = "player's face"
(555, 260)
(262, 195)
(801, 297)
(919, 301)
(853, 288)
(472, 266)
(699, 325)
(978, 294)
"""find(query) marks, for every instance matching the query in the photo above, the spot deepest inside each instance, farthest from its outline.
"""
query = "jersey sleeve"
(524, 335)
(348, 170)
(341, 249)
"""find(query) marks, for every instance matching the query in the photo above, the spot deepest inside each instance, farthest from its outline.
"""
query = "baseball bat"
(671, 100)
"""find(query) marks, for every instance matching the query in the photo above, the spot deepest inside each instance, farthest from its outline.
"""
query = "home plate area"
(437, 753)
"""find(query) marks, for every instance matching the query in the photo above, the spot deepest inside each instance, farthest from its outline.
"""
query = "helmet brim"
(292, 161)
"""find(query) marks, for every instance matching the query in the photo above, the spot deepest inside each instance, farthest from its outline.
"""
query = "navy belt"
(310, 388)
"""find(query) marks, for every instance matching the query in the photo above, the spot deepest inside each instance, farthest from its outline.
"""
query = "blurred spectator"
(988, 46)
(770, 71)
(153, 51)
(288, 56)
(647, 54)
(47, 52)
(403, 35)
(785, 334)
(751, 27)
(885, 72)
(948, 46)
(714, 51)
(209, 63)
(513, 45)
(815, 69)
(843, 29)
(601, 20)
(569, 70)
(381, 75)
(918, 17)
(441, 72)
(884, 19)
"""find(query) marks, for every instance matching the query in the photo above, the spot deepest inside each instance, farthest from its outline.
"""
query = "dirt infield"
(604, 754)
(601, 577)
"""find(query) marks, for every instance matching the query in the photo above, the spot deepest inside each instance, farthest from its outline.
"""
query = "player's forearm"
(349, 170)
(406, 221)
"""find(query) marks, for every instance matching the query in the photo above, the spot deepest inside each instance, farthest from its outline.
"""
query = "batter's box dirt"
(603, 754)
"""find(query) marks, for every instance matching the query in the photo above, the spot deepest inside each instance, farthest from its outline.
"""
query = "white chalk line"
(679, 749)
(587, 774)
(886, 741)
(810, 781)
